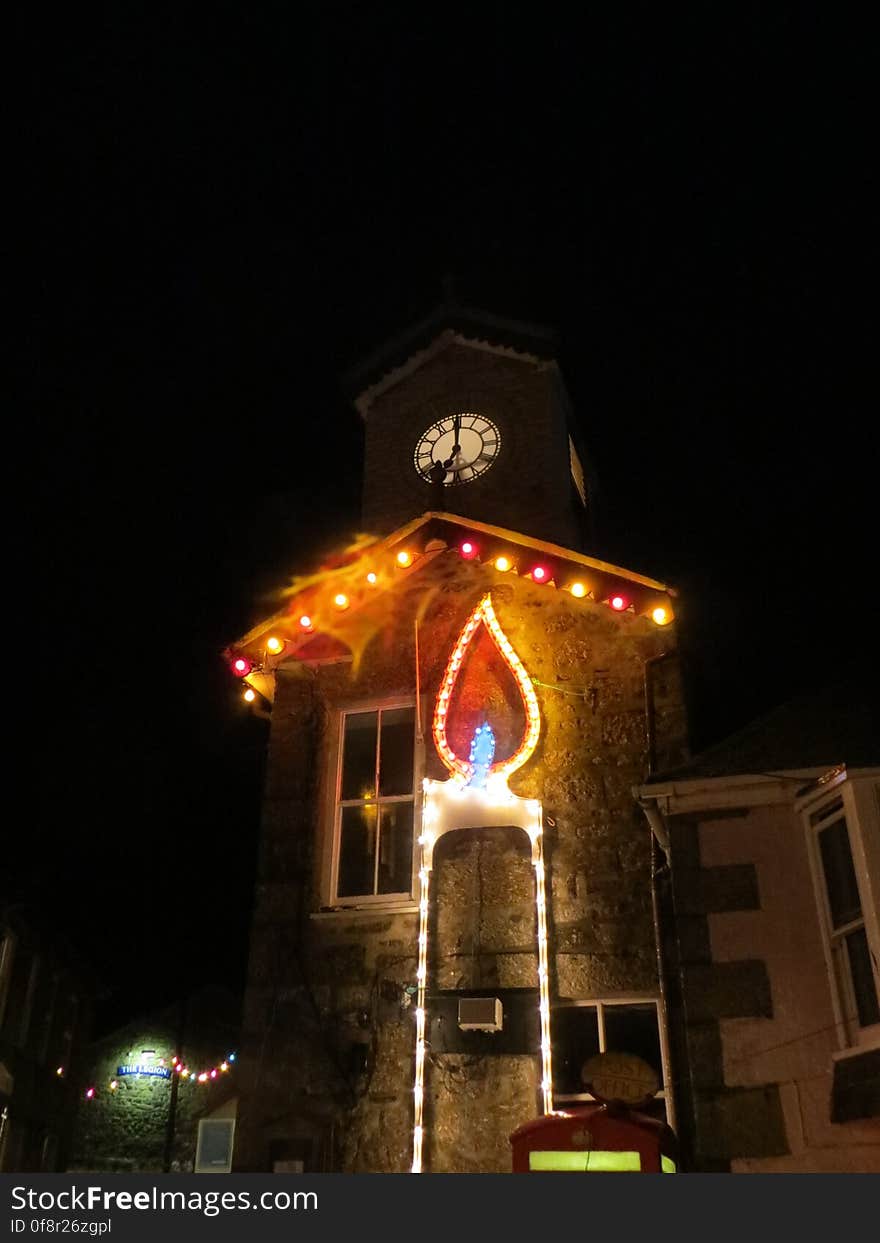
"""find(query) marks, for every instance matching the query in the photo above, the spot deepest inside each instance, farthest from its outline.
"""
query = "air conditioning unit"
(480, 1014)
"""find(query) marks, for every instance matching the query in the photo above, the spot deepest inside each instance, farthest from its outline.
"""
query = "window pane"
(357, 851)
(359, 755)
(396, 751)
(633, 1029)
(840, 876)
(862, 977)
(215, 1144)
(575, 1038)
(396, 848)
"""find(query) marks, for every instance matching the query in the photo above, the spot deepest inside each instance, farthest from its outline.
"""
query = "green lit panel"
(667, 1165)
(592, 1162)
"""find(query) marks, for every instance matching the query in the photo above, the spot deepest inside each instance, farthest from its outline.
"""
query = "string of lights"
(360, 582)
(176, 1067)
(477, 792)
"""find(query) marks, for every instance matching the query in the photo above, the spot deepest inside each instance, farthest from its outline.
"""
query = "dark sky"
(223, 212)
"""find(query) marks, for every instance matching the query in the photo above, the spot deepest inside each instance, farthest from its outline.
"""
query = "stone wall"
(123, 1130)
(328, 1047)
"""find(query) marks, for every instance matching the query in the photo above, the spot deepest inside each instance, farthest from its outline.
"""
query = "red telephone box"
(595, 1139)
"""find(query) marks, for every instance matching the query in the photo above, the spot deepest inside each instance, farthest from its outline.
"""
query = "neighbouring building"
(453, 908)
(772, 940)
(46, 997)
(160, 1093)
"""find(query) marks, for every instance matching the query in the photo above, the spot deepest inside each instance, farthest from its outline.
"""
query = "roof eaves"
(468, 525)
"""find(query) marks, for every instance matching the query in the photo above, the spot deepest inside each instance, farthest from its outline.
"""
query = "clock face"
(466, 444)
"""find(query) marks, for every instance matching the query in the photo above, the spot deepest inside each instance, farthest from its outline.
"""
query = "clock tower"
(455, 881)
(468, 414)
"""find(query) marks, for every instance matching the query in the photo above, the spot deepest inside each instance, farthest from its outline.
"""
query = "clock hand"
(456, 448)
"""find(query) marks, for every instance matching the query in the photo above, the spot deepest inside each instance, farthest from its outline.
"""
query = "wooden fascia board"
(717, 793)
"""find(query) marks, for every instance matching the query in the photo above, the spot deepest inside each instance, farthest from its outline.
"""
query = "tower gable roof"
(446, 325)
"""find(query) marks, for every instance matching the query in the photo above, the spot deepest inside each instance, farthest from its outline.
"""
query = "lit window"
(581, 1029)
(375, 805)
(841, 869)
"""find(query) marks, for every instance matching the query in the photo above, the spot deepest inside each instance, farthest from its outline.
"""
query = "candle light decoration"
(476, 795)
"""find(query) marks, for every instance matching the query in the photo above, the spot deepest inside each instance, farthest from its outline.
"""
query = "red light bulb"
(241, 667)
(618, 603)
(539, 574)
(468, 550)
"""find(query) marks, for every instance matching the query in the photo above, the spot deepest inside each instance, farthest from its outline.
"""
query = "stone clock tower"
(453, 904)
(468, 414)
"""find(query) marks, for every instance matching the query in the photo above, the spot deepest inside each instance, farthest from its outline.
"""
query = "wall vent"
(480, 1014)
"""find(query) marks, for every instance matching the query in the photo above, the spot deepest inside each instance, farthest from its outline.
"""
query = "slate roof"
(536, 341)
(838, 723)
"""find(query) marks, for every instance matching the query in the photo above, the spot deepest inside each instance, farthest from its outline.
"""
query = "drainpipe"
(669, 973)
(655, 819)
(650, 730)
(649, 806)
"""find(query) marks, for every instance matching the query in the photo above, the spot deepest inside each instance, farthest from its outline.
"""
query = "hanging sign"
(620, 1077)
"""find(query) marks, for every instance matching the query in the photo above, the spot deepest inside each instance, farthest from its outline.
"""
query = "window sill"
(366, 912)
(873, 1042)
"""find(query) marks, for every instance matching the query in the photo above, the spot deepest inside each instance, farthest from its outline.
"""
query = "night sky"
(223, 214)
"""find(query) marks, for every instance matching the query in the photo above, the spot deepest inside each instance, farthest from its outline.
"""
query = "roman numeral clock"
(480, 428)
(463, 445)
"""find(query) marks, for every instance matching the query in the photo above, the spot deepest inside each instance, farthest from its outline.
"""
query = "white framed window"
(375, 810)
(628, 1023)
(843, 841)
(214, 1146)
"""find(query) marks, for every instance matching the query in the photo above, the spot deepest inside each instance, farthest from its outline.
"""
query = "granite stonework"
(141, 1125)
(328, 1048)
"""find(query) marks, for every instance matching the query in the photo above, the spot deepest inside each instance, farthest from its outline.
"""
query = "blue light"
(482, 754)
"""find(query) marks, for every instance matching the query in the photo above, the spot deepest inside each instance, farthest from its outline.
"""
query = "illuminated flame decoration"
(482, 753)
(461, 769)
(477, 795)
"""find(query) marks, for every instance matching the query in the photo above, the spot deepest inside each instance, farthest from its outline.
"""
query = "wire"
(830, 1027)
(581, 692)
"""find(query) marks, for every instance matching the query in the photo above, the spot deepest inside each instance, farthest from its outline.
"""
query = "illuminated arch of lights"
(461, 768)
(477, 795)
